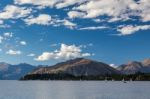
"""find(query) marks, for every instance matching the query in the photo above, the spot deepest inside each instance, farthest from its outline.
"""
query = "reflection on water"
(73, 90)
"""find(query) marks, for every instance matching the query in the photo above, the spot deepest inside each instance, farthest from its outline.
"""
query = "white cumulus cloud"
(65, 52)
(113, 65)
(76, 14)
(130, 29)
(42, 19)
(114, 8)
(13, 52)
(23, 42)
(14, 12)
(31, 55)
(66, 3)
(94, 28)
(8, 34)
(69, 24)
(41, 3)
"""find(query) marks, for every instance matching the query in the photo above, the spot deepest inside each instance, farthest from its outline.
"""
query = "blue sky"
(51, 31)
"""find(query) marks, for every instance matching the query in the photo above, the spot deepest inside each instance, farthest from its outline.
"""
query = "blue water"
(74, 90)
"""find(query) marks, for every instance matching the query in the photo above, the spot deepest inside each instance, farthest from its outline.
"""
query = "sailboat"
(123, 80)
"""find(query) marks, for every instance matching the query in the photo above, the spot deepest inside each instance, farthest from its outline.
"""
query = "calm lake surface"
(74, 90)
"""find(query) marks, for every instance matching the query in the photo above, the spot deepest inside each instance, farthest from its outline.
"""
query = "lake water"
(74, 90)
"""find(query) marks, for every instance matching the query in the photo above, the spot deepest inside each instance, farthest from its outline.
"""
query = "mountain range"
(135, 67)
(79, 67)
(13, 72)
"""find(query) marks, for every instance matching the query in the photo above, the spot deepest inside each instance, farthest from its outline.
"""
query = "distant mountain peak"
(133, 67)
(146, 62)
(133, 62)
(81, 61)
(74, 62)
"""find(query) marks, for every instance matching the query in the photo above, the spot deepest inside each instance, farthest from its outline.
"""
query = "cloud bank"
(109, 12)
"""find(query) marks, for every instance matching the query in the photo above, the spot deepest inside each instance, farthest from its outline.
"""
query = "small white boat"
(123, 81)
